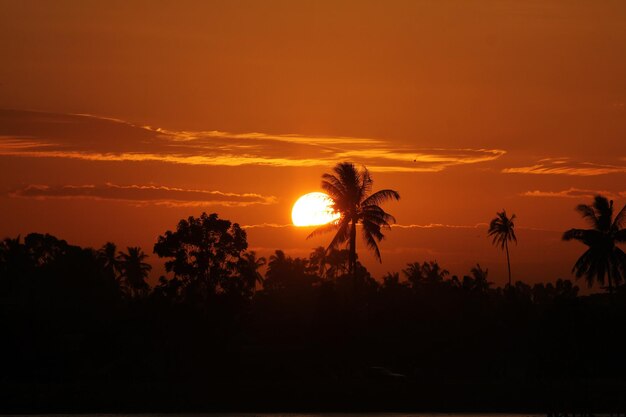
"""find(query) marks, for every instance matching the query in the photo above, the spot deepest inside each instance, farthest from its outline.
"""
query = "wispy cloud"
(142, 195)
(27, 134)
(439, 226)
(400, 226)
(573, 193)
(267, 226)
(567, 166)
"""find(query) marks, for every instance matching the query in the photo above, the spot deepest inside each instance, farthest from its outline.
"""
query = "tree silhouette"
(603, 258)
(107, 256)
(502, 230)
(317, 261)
(478, 282)
(134, 271)
(337, 261)
(427, 273)
(249, 273)
(350, 191)
(203, 254)
(285, 272)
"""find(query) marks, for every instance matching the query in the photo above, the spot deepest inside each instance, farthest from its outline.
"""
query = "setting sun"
(313, 209)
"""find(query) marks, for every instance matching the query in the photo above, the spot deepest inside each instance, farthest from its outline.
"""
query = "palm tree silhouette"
(249, 266)
(479, 277)
(603, 256)
(133, 271)
(350, 190)
(501, 228)
(107, 258)
(317, 261)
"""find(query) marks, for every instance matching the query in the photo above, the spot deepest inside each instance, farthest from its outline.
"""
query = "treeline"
(82, 330)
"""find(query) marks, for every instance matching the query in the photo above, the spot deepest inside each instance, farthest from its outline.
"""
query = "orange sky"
(121, 117)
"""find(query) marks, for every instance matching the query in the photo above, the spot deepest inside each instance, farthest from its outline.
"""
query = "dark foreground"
(305, 396)
(76, 335)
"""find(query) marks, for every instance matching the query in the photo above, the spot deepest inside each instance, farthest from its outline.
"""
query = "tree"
(337, 261)
(134, 271)
(603, 257)
(203, 253)
(249, 274)
(317, 261)
(502, 230)
(107, 257)
(478, 282)
(287, 273)
(427, 273)
(350, 191)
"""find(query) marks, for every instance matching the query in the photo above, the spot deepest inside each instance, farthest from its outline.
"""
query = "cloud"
(400, 226)
(439, 226)
(44, 135)
(573, 193)
(267, 226)
(566, 166)
(142, 195)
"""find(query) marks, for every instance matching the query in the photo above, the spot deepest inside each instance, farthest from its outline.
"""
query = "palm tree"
(350, 191)
(502, 230)
(337, 262)
(317, 261)
(106, 257)
(480, 281)
(133, 270)
(249, 266)
(603, 256)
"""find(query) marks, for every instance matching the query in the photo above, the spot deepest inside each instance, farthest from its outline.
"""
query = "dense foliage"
(82, 330)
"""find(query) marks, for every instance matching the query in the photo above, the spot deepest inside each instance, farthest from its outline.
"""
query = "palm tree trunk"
(352, 260)
(508, 260)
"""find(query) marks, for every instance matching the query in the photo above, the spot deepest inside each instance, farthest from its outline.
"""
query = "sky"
(119, 118)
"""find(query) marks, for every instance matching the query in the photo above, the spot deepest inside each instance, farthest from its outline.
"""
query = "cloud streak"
(566, 166)
(142, 195)
(84, 137)
(573, 193)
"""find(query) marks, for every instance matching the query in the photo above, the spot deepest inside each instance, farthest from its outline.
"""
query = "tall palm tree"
(603, 256)
(350, 190)
(133, 270)
(502, 230)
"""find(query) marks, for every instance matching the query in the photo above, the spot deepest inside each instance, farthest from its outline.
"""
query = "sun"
(313, 209)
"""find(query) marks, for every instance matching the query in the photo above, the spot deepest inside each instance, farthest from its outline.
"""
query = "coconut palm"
(350, 190)
(133, 271)
(317, 261)
(603, 258)
(480, 282)
(248, 267)
(108, 260)
(337, 262)
(502, 230)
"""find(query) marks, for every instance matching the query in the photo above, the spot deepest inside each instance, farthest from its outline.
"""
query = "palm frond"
(619, 218)
(325, 228)
(343, 232)
(366, 183)
(588, 214)
(380, 197)
(586, 236)
(371, 234)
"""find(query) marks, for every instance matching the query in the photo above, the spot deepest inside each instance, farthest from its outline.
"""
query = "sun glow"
(313, 209)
